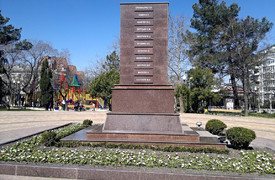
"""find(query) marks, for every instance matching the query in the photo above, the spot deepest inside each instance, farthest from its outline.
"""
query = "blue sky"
(88, 28)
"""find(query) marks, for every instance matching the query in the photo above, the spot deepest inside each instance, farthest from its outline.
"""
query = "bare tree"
(11, 57)
(23, 67)
(65, 53)
(115, 46)
(177, 49)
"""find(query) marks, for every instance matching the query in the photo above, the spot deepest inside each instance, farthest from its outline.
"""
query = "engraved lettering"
(143, 65)
(143, 72)
(144, 15)
(144, 8)
(144, 29)
(143, 50)
(143, 44)
(143, 22)
(143, 58)
(143, 79)
(144, 36)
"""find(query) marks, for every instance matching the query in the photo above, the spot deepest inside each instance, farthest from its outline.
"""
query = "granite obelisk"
(143, 102)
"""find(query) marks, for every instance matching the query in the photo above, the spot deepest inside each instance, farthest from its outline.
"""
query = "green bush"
(49, 138)
(215, 126)
(87, 122)
(240, 137)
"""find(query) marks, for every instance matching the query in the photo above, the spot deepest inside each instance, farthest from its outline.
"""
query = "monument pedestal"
(143, 109)
(142, 123)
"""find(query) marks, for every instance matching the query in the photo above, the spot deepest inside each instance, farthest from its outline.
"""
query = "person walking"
(63, 105)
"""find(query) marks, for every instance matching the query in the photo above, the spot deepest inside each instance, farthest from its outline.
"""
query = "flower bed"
(31, 150)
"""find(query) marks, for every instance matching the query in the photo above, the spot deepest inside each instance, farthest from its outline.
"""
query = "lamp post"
(270, 101)
(184, 79)
(13, 93)
(18, 95)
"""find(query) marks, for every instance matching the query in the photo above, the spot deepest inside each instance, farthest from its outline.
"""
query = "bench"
(230, 111)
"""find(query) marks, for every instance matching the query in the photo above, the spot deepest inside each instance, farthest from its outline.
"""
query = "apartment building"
(264, 76)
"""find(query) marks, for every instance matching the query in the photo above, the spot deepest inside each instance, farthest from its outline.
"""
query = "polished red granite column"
(143, 102)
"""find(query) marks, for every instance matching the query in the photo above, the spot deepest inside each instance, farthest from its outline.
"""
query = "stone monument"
(143, 102)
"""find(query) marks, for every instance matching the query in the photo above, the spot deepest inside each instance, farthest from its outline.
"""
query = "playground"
(74, 95)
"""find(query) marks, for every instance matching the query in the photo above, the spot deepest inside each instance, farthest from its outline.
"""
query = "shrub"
(240, 137)
(49, 138)
(215, 126)
(87, 122)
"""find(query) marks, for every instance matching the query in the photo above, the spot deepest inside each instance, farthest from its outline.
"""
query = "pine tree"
(227, 44)
(46, 97)
(112, 62)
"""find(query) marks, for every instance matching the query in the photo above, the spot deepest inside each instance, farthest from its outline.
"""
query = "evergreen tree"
(226, 43)
(211, 21)
(112, 62)
(201, 82)
(46, 97)
(102, 85)
(8, 35)
(245, 36)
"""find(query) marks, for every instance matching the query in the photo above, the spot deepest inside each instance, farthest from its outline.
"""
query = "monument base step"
(91, 136)
(188, 138)
(142, 122)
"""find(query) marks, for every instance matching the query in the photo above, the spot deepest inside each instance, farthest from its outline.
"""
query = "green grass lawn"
(263, 115)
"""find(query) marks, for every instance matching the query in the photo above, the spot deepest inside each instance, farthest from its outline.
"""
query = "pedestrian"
(63, 105)
(50, 106)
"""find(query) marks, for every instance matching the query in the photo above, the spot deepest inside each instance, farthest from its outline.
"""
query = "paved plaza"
(17, 124)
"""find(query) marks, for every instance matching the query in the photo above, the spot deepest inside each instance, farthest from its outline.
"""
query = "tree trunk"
(233, 83)
(245, 103)
(270, 103)
(235, 92)
(10, 103)
(245, 90)
(181, 104)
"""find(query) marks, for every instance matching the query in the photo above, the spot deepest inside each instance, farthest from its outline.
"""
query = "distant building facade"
(264, 76)
(59, 66)
(25, 81)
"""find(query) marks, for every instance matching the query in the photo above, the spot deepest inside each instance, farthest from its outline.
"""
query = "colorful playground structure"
(75, 93)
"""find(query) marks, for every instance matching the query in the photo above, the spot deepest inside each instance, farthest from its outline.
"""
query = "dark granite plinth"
(144, 43)
(143, 99)
(146, 123)
(143, 138)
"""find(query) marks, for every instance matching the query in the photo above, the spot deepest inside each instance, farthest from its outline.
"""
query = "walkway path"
(16, 124)
(264, 127)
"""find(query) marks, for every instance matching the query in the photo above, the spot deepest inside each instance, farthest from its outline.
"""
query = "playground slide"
(100, 103)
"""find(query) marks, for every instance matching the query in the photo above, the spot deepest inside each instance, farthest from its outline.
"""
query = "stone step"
(92, 136)
(189, 137)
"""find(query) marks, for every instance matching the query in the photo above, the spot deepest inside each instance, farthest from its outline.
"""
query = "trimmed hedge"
(240, 137)
(215, 126)
(74, 144)
(87, 122)
(49, 138)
